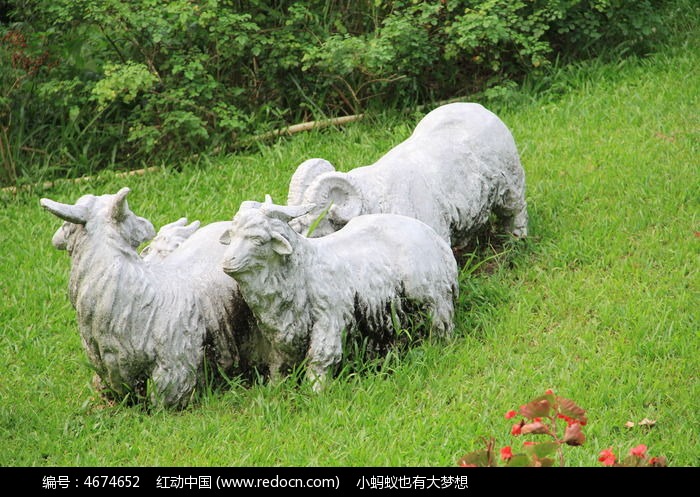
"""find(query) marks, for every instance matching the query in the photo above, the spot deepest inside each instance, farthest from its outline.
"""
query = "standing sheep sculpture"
(459, 167)
(305, 293)
(162, 318)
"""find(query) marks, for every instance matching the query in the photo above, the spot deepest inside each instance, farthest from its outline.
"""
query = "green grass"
(600, 303)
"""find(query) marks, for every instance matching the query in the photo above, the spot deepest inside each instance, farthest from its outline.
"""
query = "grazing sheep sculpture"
(304, 293)
(162, 320)
(458, 168)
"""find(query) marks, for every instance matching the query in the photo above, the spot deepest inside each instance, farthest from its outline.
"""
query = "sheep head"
(259, 233)
(169, 237)
(91, 214)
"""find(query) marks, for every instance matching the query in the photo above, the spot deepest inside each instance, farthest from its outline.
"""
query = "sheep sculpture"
(457, 171)
(305, 293)
(168, 318)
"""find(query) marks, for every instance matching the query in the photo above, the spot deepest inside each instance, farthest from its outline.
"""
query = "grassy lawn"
(600, 304)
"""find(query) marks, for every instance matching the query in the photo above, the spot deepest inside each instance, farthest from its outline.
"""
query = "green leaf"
(480, 458)
(541, 450)
(316, 221)
(519, 461)
(631, 462)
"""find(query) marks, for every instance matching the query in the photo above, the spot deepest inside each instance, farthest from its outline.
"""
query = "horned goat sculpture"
(459, 168)
(164, 318)
(304, 293)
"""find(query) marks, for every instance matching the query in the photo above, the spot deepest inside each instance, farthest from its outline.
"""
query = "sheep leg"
(512, 216)
(517, 223)
(442, 322)
(172, 386)
(107, 394)
(324, 352)
(275, 366)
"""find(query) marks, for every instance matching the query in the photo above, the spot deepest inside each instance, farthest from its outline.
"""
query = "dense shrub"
(86, 84)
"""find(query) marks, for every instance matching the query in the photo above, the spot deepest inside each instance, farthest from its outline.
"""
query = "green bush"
(88, 84)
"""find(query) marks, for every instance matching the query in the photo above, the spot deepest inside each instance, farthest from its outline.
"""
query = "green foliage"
(122, 82)
(89, 84)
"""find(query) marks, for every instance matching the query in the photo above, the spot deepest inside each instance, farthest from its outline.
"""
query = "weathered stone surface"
(304, 293)
(458, 168)
(156, 319)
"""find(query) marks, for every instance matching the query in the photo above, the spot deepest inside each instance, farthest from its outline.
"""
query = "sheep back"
(459, 168)
(378, 268)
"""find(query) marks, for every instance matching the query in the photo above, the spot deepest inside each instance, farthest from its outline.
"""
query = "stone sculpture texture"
(161, 320)
(255, 292)
(458, 169)
(305, 293)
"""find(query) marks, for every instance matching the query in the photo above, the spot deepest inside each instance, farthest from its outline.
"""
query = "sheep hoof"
(318, 380)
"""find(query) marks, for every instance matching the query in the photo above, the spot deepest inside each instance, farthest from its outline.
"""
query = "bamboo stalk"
(309, 125)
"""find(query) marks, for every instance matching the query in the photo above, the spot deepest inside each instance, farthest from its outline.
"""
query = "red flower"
(657, 462)
(510, 414)
(570, 421)
(549, 391)
(527, 444)
(506, 453)
(607, 457)
(639, 451)
(516, 429)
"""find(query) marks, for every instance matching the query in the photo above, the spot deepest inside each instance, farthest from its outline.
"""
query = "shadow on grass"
(487, 282)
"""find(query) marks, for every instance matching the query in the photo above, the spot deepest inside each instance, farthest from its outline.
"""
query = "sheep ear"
(119, 207)
(280, 244)
(225, 238)
(76, 214)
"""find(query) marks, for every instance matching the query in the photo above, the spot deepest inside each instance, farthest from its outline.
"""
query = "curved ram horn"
(340, 190)
(76, 214)
(302, 178)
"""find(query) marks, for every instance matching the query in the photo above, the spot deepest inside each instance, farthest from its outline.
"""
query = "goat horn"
(76, 214)
(285, 212)
(119, 206)
(250, 204)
